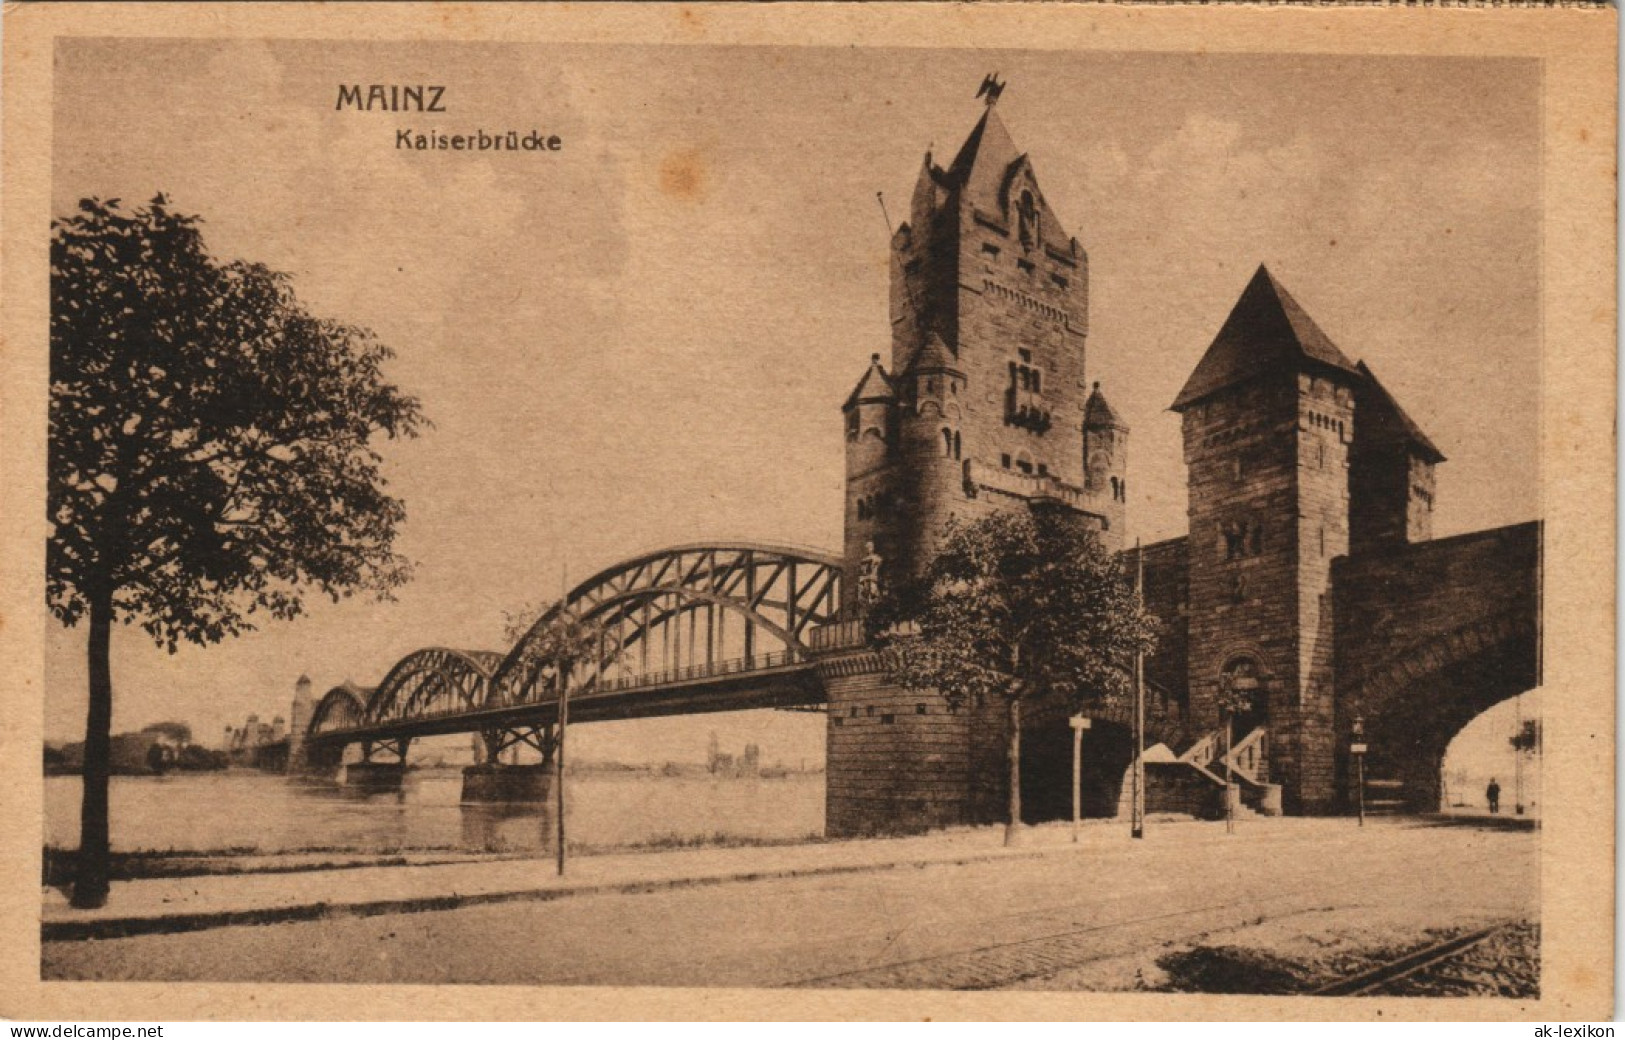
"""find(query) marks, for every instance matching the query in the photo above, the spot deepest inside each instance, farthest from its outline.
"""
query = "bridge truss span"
(685, 614)
(433, 681)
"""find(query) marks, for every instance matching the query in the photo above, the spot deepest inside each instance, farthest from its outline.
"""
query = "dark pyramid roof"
(985, 156)
(935, 356)
(1413, 433)
(875, 385)
(1098, 413)
(1267, 331)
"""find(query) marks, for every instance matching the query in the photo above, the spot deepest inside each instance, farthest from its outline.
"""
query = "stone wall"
(898, 760)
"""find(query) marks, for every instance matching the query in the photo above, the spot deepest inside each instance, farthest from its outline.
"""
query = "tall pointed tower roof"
(986, 156)
(1267, 331)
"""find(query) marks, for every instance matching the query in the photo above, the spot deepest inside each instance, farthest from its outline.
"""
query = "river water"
(207, 812)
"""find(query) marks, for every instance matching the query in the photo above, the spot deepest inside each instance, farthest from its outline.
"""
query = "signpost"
(1079, 724)
(1357, 749)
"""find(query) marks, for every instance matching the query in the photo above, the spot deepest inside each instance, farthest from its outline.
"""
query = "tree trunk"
(91, 880)
(1012, 829)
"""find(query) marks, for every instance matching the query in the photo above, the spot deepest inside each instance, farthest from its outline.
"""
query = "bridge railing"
(713, 670)
(734, 665)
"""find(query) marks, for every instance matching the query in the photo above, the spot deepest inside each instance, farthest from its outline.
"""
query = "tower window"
(1059, 280)
(888, 719)
(1004, 460)
(1043, 470)
(1027, 220)
(947, 441)
(990, 249)
(1026, 356)
(956, 444)
(1024, 466)
(919, 709)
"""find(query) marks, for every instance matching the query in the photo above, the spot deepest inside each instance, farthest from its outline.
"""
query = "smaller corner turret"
(870, 414)
(1105, 456)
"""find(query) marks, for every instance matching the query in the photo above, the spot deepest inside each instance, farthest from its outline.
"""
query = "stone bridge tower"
(1269, 419)
(984, 403)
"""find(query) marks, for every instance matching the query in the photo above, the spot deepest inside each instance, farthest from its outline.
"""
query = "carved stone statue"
(869, 577)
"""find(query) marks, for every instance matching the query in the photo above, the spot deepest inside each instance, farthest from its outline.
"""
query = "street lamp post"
(1357, 749)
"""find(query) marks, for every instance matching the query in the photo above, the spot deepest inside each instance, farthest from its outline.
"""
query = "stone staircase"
(1193, 782)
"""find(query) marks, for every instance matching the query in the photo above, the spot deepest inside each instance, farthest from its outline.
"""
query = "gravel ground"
(1505, 965)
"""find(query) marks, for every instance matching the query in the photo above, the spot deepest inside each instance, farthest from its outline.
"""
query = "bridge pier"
(375, 776)
(498, 783)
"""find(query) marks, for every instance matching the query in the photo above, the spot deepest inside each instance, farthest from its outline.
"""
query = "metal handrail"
(730, 666)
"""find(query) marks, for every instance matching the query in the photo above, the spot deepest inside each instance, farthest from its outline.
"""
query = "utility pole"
(1517, 755)
(558, 755)
(1137, 805)
(561, 670)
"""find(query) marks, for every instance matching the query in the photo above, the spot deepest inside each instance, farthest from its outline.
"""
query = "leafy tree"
(1018, 606)
(211, 454)
(1527, 739)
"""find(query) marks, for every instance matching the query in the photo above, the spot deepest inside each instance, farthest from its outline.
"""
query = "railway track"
(1433, 970)
(1436, 969)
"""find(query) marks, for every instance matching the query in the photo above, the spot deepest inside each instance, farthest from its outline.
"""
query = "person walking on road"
(1493, 793)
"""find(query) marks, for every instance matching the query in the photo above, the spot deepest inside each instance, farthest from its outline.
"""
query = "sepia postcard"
(808, 511)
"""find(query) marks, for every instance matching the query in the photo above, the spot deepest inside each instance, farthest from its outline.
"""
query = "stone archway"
(1415, 702)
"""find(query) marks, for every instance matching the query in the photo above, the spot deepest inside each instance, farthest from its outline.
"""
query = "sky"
(644, 338)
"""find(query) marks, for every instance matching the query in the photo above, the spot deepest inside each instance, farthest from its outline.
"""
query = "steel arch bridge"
(693, 628)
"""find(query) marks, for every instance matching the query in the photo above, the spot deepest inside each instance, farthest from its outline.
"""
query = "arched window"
(956, 445)
(947, 442)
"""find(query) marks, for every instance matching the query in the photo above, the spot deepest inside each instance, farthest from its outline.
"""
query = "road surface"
(1036, 923)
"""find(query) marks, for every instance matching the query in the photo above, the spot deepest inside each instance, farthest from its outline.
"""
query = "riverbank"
(61, 865)
(179, 903)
